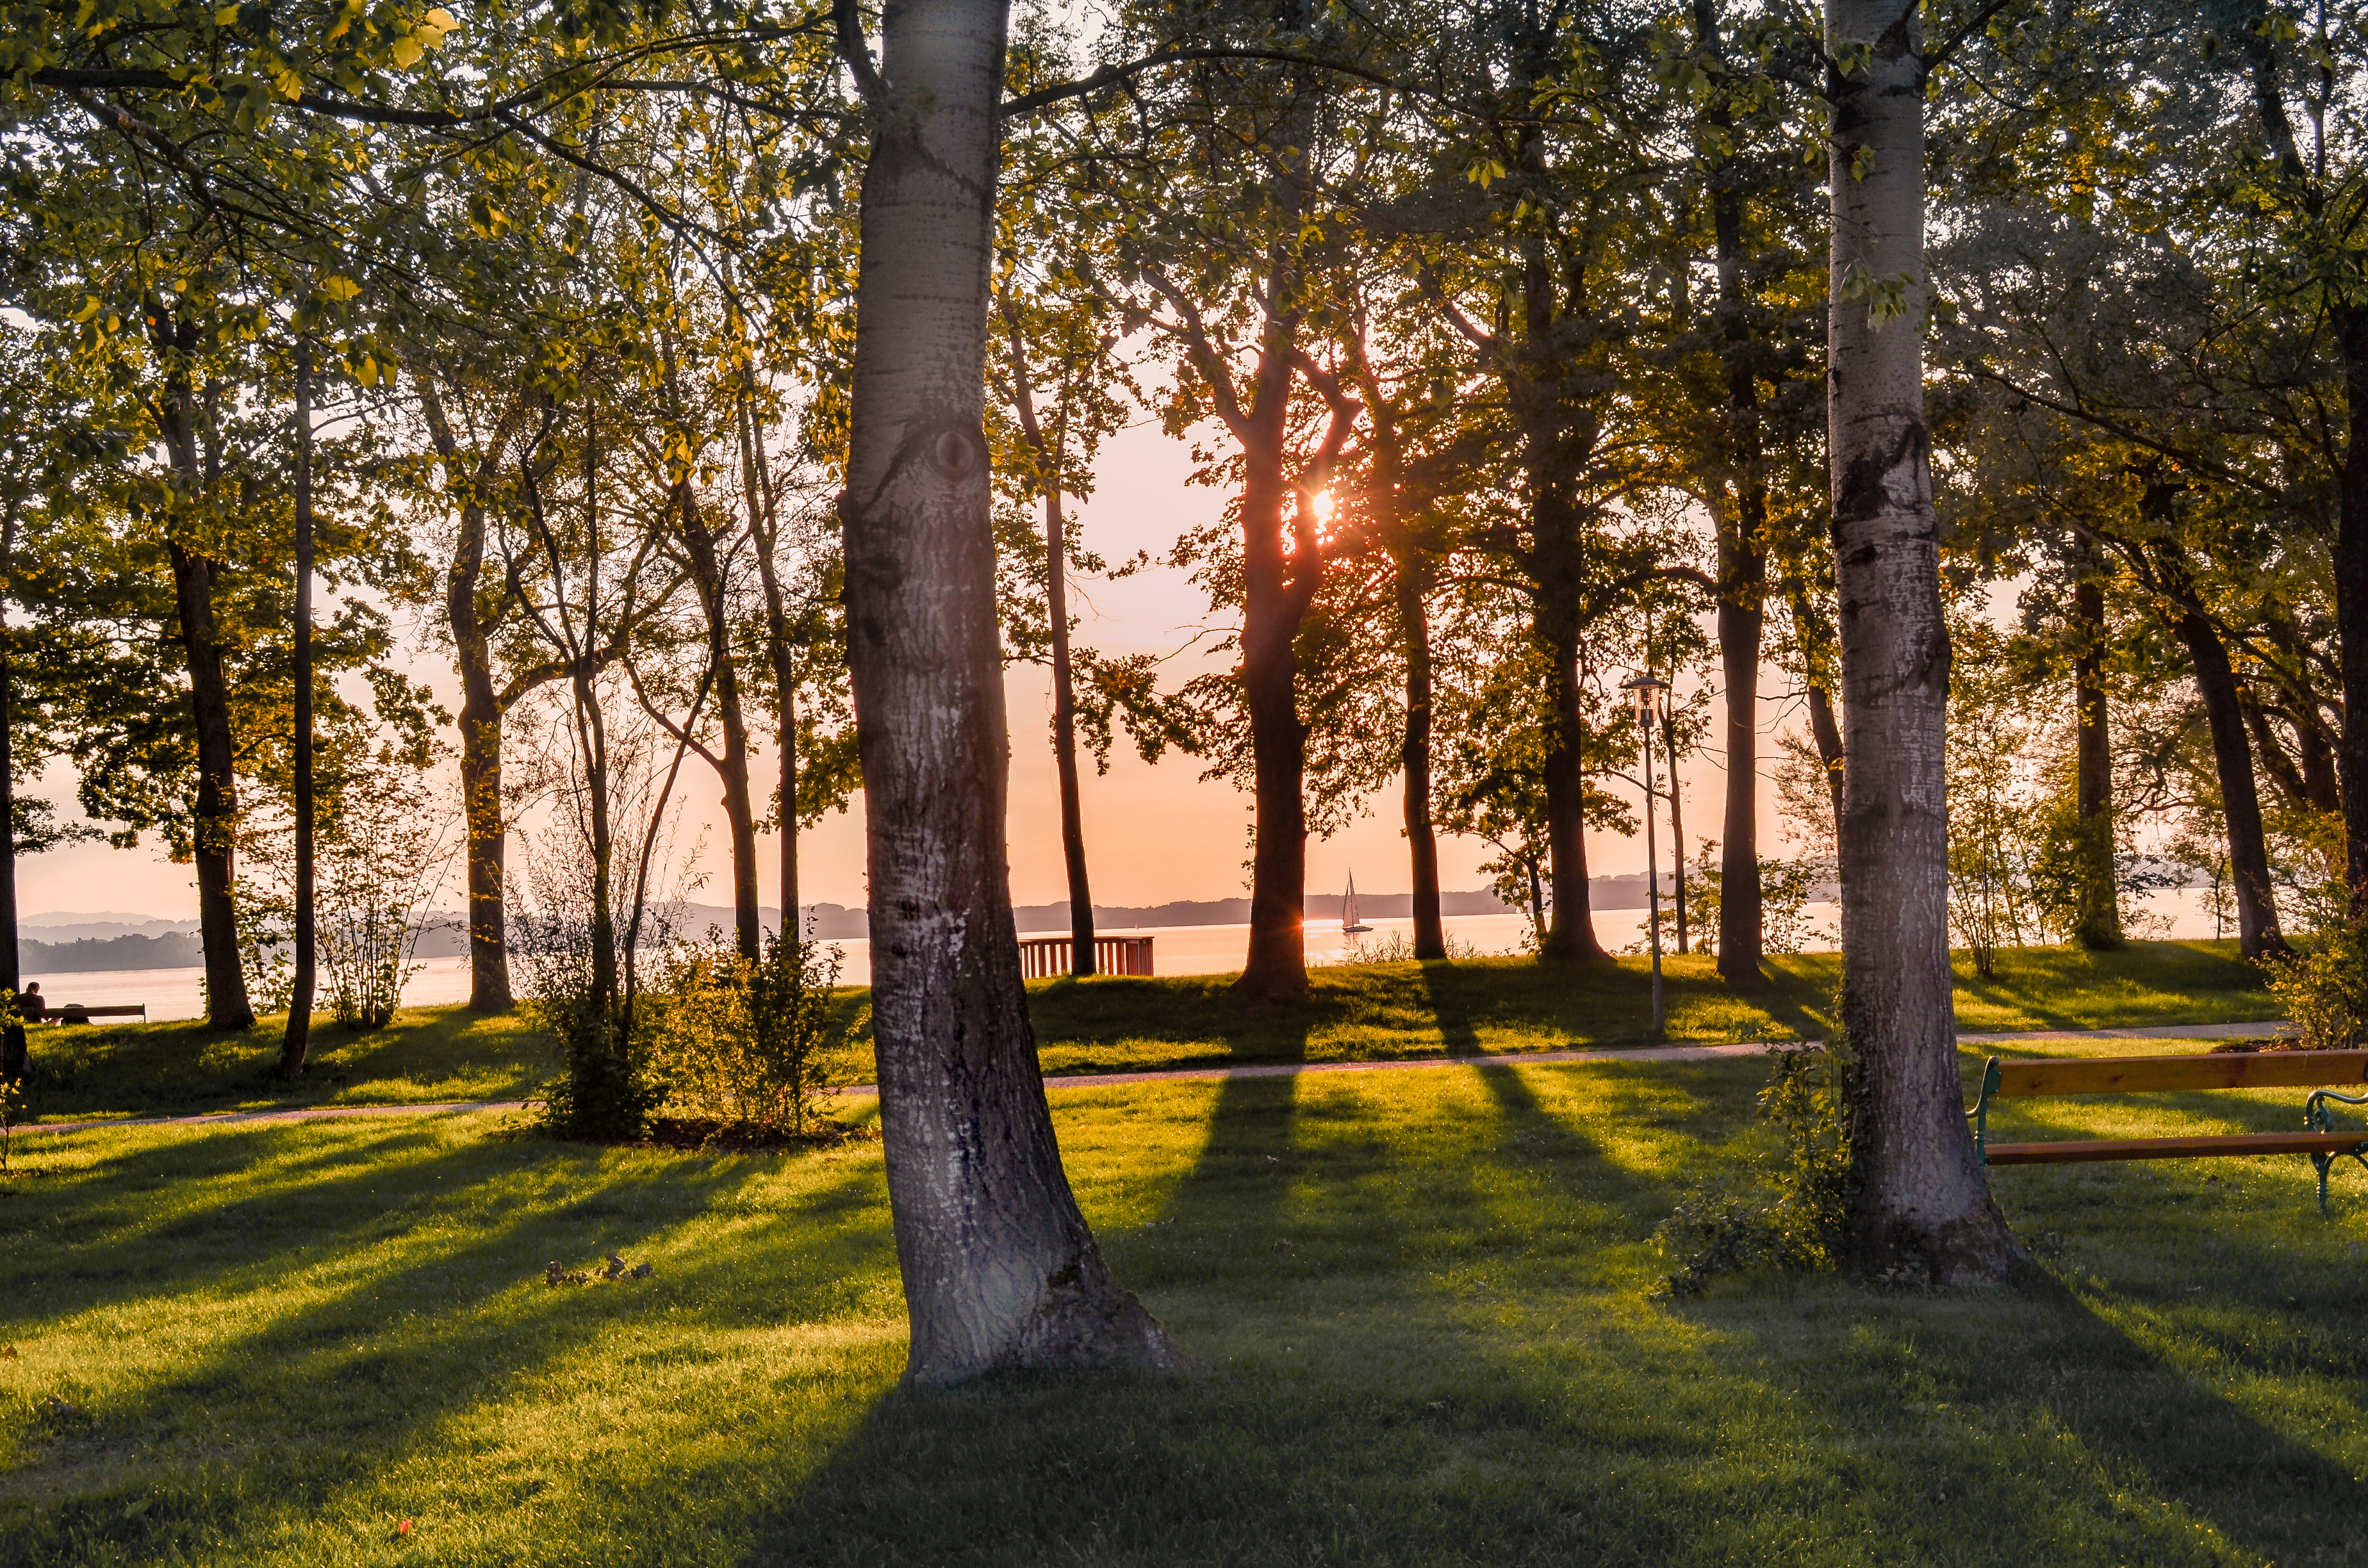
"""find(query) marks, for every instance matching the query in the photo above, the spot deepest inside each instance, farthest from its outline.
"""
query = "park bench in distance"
(79, 1013)
(2142, 1074)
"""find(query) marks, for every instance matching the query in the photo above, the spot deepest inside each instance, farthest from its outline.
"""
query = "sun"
(1323, 504)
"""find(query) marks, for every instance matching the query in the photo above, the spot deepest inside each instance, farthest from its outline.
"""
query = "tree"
(1001, 1269)
(1920, 1197)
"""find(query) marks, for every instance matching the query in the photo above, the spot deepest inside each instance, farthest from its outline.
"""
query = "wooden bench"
(2320, 1139)
(1042, 958)
(79, 1013)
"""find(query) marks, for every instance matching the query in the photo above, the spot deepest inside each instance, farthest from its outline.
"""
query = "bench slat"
(2176, 1148)
(2220, 1070)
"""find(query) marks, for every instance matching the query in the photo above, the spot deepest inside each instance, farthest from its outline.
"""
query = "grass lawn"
(1370, 1013)
(1420, 1299)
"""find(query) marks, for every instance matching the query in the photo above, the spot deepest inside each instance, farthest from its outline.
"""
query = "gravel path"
(1259, 1070)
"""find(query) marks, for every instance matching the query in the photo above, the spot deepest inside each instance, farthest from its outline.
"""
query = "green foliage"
(750, 1048)
(603, 1091)
(1793, 1219)
(2323, 986)
(1784, 889)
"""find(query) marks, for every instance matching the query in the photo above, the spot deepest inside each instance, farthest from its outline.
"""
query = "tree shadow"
(457, 1323)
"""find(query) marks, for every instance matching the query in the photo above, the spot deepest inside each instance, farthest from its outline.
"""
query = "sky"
(1153, 834)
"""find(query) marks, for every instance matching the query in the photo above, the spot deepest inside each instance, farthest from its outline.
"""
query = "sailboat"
(1349, 924)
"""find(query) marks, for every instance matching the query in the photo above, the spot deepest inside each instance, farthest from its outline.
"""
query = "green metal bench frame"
(2321, 1139)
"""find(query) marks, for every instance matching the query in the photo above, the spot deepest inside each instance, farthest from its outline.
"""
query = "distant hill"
(171, 949)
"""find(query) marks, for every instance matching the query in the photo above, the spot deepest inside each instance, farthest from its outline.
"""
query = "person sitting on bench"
(29, 1004)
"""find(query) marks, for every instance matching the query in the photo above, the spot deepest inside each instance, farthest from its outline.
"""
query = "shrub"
(2323, 985)
(748, 1046)
(604, 1089)
(1794, 1217)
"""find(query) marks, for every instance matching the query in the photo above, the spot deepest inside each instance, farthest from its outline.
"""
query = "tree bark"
(1677, 821)
(13, 1061)
(1742, 571)
(781, 650)
(1279, 582)
(1001, 1269)
(1570, 936)
(2241, 801)
(2099, 924)
(2350, 564)
(1827, 734)
(480, 718)
(1921, 1199)
(1064, 740)
(215, 809)
(298, 1036)
(732, 764)
(1064, 705)
(1414, 762)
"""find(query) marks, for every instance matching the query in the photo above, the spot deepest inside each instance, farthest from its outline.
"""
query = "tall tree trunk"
(1001, 1269)
(1273, 602)
(2241, 801)
(781, 650)
(2099, 924)
(1676, 820)
(488, 833)
(1064, 740)
(592, 741)
(1570, 936)
(1817, 645)
(1741, 566)
(298, 1035)
(1414, 761)
(215, 809)
(732, 764)
(1064, 705)
(480, 719)
(1827, 734)
(2351, 562)
(1921, 1198)
(12, 1023)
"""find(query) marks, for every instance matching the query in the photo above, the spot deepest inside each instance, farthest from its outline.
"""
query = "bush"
(2323, 986)
(604, 1089)
(1795, 1218)
(748, 1047)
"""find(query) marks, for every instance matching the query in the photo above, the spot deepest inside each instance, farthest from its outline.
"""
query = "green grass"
(1379, 1012)
(1420, 1299)
(427, 1055)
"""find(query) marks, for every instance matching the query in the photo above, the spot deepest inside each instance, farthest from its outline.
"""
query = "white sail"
(1349, 924)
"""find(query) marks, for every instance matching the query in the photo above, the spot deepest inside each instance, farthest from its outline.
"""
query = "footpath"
(1254, 1070)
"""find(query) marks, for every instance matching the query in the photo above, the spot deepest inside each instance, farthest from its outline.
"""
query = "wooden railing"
(1043, 957)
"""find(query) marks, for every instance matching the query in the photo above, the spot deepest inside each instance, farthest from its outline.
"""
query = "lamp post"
(1644, 696)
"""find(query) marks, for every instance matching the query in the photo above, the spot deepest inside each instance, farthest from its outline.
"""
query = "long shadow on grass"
(402, 1347)
(1345, 1284)
(2051, 1432)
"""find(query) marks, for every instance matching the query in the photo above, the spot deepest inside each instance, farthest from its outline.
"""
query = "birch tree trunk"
(1922, 1198)
(999, 1267)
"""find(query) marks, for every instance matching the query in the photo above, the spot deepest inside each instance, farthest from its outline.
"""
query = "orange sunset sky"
(1154, 833)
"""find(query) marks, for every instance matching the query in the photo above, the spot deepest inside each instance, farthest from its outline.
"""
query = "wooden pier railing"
(1042, 956)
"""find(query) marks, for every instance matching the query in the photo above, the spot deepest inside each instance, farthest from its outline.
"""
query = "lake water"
(1177, 950)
